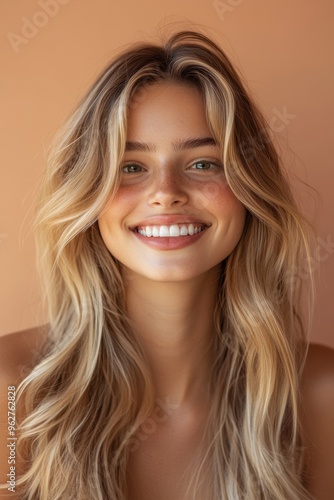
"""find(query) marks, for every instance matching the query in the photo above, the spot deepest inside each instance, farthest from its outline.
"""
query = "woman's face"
(174, 216)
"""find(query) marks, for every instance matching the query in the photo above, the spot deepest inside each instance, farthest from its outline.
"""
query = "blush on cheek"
(232, 208)
(217, 192)
(124, 200)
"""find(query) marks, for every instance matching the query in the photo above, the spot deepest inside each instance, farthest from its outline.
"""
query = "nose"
(168, 189)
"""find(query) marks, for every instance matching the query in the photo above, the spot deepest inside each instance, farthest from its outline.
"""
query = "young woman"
(174, 364)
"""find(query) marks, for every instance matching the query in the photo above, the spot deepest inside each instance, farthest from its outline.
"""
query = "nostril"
(168, 196)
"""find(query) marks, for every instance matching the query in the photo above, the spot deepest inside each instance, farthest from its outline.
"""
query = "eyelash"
(131, 165)
(217, 165)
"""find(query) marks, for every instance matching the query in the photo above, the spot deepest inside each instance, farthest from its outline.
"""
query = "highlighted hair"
(91, 390)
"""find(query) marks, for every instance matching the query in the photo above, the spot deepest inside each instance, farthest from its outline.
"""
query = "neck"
(174, 323)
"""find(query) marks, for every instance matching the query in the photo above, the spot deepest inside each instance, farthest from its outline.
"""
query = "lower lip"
(169, 243)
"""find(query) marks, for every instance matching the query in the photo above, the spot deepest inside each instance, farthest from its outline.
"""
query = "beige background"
(53, 49)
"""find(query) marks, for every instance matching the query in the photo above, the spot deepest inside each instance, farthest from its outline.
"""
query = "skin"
(170, 295)
(164, 287)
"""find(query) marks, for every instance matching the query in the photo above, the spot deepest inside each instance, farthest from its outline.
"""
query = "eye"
(205, 165)
(132, 168)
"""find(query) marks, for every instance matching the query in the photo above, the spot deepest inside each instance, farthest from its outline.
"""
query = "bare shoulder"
(320, 361)
(317, 419)
(318, 380)
(19, 352)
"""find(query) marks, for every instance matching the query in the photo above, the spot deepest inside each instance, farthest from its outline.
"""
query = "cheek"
(106, 222)
(232, 205)
(110, 236)
(116, 205)
(214, 191)
(103, 225)
(231, 212)
(112, 217)
(221, 199)
(239, 218)
(117, 208)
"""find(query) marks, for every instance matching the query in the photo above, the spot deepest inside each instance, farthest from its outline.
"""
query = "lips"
(170, 231)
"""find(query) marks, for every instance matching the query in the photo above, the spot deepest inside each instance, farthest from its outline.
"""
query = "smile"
(172, 231)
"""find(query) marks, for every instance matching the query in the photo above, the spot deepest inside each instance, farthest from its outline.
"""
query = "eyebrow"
(197, 142)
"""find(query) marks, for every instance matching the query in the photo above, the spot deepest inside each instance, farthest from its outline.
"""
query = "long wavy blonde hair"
(91, 390)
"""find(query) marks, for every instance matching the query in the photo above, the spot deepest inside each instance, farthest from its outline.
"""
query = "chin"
(170, 274)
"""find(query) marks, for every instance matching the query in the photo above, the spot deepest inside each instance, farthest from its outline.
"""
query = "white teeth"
(174, 230)
(164, 231)
(184, 230)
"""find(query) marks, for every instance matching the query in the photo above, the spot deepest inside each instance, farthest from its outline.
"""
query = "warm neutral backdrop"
(53, 49)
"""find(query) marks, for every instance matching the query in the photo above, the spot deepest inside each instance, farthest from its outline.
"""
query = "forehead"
(166, 109)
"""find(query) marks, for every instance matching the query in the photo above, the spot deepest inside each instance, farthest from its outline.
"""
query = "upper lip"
(168, 220)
